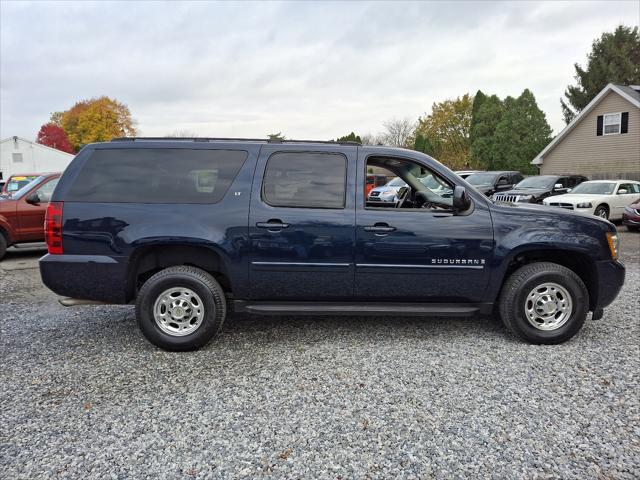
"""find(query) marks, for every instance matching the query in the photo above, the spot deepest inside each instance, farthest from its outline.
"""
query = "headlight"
(584, 205)
(612, 239)
(525, 198)
(629, 209)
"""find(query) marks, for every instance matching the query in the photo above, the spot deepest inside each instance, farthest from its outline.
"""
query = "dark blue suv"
(191, 229)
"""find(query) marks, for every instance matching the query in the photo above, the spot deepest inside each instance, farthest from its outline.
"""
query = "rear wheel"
(181, 308)
(602, 211)
(3, 245)
(544, 303)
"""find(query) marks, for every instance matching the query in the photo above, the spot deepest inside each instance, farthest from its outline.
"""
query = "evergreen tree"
(352, 137)
(487, 114)
(423, 144)
(521, 134)
(614, 58)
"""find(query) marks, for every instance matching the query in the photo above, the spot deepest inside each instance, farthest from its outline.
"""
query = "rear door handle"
(272, 224)
(380, 228)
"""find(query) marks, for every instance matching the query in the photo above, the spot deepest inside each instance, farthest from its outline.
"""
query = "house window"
(16, 157)
(612, 123)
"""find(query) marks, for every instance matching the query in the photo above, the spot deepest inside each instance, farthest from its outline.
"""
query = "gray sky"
(310, 70)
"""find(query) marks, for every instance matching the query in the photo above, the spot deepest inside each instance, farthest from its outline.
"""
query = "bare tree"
(397, 132)
(182, 134)
(369, 139)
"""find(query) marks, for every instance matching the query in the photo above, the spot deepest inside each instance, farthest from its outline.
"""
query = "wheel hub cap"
(548, 306)
(178, 311)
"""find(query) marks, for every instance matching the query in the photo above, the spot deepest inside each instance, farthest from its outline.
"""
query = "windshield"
(599, 188)
(481, 178)
(431, 182)
(25, 188)
(396, 182)
(537, 182)
(16, 183)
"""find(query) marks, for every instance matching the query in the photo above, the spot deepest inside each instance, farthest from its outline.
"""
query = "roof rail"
(213, 139)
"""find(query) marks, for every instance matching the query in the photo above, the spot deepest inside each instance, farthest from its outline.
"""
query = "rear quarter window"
(305, 179)
(156, 175)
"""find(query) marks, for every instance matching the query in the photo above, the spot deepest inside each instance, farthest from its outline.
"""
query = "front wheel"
(181, 308)
(602, 212)
(544, 303)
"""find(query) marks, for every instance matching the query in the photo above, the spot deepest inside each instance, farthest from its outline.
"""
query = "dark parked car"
(22, 212)
(631, 216)
(535, 189)
(466, 173)
(491, 182)
(192, 229)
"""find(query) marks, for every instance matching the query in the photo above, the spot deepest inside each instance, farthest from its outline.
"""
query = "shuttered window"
(612, 123)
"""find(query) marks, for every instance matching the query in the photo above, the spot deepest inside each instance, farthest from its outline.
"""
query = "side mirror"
(622, 191)
(569, 190)
(33, 199)
(461, 200)
(558, 186)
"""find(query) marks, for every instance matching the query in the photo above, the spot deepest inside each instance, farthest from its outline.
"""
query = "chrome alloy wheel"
(178, 311)
(548, 306)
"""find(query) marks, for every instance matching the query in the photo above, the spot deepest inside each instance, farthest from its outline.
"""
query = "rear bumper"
(610, 280)
(88, 277)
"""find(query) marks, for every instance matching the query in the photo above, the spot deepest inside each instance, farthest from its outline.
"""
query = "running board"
(363, 308)
(76, 302)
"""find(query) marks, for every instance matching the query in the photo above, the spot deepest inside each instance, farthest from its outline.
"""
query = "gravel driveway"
(83, 395)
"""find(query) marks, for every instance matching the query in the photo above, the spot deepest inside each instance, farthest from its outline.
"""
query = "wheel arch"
(5, 230)
(579, 262)
(147, 260)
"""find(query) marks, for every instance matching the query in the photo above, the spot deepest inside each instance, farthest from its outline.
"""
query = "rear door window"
(156, 175)
(311, 180)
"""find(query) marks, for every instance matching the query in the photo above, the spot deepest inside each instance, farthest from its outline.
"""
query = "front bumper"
(382, 199)
(630, 220)
(610, 275)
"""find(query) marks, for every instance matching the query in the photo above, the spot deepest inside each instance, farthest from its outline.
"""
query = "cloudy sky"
(309, 70)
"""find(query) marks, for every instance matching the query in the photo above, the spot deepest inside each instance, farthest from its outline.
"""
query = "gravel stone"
(85, 396)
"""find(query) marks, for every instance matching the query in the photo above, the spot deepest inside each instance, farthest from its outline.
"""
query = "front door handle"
(273, 224)
(380, 228)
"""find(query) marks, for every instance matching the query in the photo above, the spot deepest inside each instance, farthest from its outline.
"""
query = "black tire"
(602, 211)
(207, 289)
(3, 245)
(522, 282)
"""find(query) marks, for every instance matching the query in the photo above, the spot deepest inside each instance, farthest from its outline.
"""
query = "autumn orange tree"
(444, 133)
(95, 120)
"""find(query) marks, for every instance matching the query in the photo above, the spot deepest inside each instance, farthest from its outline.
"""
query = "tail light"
(53, 228)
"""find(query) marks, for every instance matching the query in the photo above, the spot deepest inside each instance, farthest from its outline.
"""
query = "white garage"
(18, 155)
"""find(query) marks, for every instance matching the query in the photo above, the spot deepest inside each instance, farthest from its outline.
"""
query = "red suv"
(22, 212)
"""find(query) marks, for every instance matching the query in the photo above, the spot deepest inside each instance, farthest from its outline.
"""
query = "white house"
(18, 155)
